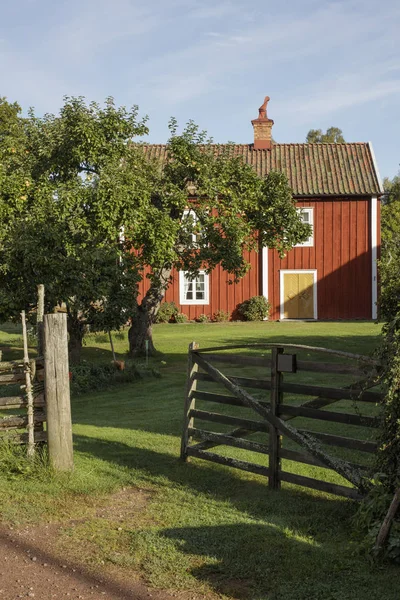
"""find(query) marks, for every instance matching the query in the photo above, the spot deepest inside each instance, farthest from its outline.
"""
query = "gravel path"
(29, 568)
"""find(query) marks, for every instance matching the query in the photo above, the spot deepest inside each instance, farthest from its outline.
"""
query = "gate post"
(191, 384)
(59, 425)
(274, 436)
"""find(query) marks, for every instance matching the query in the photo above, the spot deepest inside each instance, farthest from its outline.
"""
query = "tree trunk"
(141, 327)
(140, 331)
(76, 331)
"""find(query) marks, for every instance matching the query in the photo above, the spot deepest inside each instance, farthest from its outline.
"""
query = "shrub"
(221, 316)
(255, 309)
(87, 377)
(180, 318)
(167, 312)
(202, 318)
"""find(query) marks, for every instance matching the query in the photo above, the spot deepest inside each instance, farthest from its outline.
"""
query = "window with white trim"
(193, 290)
(307, 216)
(193, 225)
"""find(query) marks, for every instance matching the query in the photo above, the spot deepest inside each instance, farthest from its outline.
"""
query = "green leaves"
(333, 135)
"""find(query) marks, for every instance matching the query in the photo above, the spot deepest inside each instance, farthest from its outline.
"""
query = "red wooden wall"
(222, 295)
(341, 255)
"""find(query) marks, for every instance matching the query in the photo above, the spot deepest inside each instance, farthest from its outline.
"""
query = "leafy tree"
(231, 209)
(77, 180)
(389, 303)
(62, 198)
(333, 135)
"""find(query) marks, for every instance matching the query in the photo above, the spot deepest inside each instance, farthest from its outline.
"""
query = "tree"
(333, 135)
(60, 214)
(389, 303)
(231, 210)
(84, 180)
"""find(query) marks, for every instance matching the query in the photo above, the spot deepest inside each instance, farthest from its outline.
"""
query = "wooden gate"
(281, 407)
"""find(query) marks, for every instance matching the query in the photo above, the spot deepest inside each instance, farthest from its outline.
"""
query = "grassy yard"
(195, 526)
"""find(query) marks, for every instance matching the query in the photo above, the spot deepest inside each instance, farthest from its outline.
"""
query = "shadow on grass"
(297, 550)
(248, 561)
(254, 561)
(251, 496)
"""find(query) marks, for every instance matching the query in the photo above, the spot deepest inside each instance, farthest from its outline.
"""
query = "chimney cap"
(262, 128)
(262, 111)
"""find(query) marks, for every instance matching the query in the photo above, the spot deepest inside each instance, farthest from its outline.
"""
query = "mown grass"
(204, 527)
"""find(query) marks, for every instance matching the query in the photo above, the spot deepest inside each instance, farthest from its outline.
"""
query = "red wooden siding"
(222, 296)
(341, 255)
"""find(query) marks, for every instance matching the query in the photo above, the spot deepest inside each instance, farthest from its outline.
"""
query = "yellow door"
(298, 295)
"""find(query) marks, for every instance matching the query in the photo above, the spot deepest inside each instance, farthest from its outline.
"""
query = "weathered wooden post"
(191, 385)
(274, 435)
(39, 319)
(59, 424)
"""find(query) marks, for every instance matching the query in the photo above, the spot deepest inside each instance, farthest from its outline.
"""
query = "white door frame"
(282, 297)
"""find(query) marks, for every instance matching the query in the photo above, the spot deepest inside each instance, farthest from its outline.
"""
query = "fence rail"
(197, 440)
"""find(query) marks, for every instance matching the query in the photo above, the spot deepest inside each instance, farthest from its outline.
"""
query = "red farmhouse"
(333, 275)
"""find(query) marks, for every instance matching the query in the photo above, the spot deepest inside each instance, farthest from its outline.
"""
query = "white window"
(192, 223)
(193, 291)
(307, 216)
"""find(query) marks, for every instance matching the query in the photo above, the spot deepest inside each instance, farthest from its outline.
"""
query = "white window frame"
(310, 241)
(282, 295)
(183, 300)
(195, 236)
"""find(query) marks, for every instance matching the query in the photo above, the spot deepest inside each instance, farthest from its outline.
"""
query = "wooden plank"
(229, 462)
(237, 359)
(324, 367)
(10, 365)
(218, 398)
(11, 378)
(250, 382)
(343, 442)
(274, 435)
(39, 320)
(367, 360)
(228, 420)
(239, 432)
(323, 486)
(14, 422)
(9, 402)
(309, 460)
(22, 438)
(226, 440)
(324, 415)
(189, 403)
(59, 424)
(334, 393)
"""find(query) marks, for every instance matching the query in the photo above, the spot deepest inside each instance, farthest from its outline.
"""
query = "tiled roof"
(312, 169)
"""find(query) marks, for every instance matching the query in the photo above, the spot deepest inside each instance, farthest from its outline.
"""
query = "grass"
(202, 527)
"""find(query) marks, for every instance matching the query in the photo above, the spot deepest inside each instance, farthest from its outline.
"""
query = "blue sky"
(322, 63)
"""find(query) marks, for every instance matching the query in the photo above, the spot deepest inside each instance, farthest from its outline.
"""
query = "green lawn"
(203, 527)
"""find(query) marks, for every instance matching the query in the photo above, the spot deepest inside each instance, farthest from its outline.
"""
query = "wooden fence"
(12, 373)
(48, 378)
(278, 414)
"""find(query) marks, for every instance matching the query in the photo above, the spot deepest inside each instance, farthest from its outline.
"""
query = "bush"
(202, 318)
(167, 312)
(221, 316)
(87, 377)
(255, 309)
(180, 318)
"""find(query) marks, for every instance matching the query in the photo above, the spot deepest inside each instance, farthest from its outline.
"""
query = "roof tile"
(312, 169)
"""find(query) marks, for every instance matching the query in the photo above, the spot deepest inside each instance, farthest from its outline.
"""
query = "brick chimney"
(262, 128)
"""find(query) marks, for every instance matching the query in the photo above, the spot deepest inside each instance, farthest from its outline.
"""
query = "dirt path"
(30, 568)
